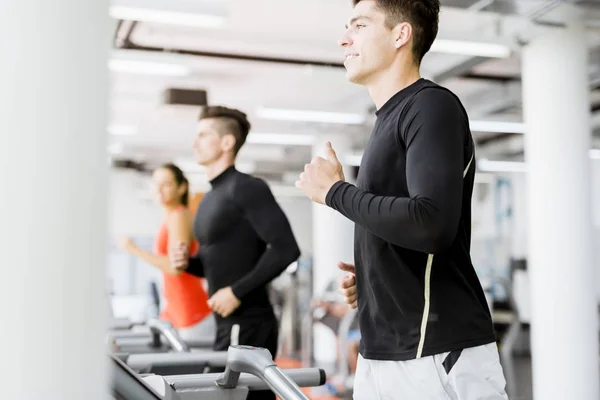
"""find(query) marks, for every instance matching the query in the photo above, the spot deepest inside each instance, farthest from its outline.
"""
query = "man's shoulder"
(248, 186)
(433, 92)
(426, 97)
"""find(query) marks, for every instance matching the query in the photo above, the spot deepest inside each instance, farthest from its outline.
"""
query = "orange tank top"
(185, 295)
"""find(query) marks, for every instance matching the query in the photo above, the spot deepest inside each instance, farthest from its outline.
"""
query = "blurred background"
(512, 63)
(279, 62)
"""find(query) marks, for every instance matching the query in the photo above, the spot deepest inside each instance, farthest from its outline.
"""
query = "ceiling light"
(122, 130)
(282, 139)
(116, 148)
(594, 154)
(497, 126)
(147, 67)
(310, 116)
(166, 17)
(470, 48)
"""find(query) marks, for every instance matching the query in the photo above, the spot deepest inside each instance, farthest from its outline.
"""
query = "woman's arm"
(179, 226)
(157, 260)
(179, 230)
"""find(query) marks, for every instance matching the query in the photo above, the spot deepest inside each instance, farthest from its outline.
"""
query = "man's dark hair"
(231, 121)
(423, 15)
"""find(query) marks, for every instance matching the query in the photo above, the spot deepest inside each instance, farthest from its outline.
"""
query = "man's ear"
(228, 142)
(402, 34)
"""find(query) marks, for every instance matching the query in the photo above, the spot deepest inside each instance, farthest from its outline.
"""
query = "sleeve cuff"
(331, 194)
(235, 288)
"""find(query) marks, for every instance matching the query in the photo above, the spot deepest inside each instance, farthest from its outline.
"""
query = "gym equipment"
(258, 362)
(174, 363)
(248, 368)
(341, 380)
(126, 385)
(148, 338)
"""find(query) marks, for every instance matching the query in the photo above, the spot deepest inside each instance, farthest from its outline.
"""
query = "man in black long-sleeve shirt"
(245, 238)
(426, 329)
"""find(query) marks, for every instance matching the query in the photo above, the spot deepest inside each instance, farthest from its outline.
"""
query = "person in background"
(247, 238)
(187, 301)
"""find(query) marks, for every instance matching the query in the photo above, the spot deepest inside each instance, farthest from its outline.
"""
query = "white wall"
(132, 211)
(595, 193)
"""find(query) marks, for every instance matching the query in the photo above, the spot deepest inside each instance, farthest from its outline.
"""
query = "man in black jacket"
(245, 238)
(426, 329)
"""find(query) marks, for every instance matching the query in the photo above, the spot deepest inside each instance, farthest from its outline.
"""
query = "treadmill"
(248, 368)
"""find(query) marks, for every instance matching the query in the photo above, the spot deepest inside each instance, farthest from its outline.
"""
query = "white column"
(564, 311)
(53, 198)
(596, 218)
(333, 241)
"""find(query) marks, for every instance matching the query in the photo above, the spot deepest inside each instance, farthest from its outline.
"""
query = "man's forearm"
(195, 267)
(272, 263)
(414, 223)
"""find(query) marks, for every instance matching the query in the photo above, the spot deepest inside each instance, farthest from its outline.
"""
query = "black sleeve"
(427, 220)
(195, 266)
(254, 197)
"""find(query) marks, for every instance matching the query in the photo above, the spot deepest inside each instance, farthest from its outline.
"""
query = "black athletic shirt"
(418, 293)
(245, 242)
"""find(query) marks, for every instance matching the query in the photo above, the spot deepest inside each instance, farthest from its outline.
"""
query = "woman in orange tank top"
(187, 301)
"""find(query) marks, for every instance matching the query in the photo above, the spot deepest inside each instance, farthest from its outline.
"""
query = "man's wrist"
(331, 192)
(233, 290)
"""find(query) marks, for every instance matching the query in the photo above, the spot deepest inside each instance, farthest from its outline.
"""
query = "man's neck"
(390, 82)
(217, 168)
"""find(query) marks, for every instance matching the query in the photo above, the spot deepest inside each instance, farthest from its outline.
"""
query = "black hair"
(232, 121)
(423, 15)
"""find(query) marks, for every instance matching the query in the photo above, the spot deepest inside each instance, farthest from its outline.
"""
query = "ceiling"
(283, 54)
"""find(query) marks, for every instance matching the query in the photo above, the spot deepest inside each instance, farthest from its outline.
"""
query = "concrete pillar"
(564, 310)
(333, 241)
(53, 202)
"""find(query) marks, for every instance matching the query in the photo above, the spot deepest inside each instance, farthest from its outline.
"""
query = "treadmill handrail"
(169, 333)
(305, 377)
(147, 360)
(259, 362)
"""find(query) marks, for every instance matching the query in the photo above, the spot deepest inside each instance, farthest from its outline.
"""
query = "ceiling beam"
(494, 101)
(483, 141)
(491, 78)
(461, 68)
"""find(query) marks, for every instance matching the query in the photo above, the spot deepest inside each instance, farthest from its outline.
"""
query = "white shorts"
(470, 374)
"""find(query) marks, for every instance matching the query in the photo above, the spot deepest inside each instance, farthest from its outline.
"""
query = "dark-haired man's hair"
(231, 121)
(180, 179)
(423, 15)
